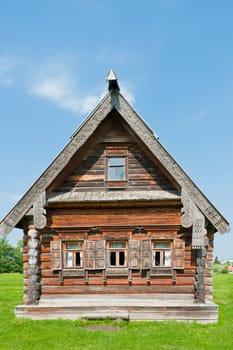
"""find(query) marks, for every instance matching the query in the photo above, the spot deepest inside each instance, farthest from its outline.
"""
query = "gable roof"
(113, 100)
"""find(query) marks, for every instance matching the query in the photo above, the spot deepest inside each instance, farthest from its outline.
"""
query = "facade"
(114, 224)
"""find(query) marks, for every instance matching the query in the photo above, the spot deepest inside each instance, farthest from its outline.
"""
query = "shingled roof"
(114, 100)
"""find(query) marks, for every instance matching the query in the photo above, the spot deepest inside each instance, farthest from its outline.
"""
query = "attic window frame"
(118, 167)
(117, 152)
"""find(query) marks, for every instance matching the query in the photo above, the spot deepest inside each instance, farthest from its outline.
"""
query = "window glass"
(162, 245)
(161, 254)
(116, 161)
(167, 259)
(117, 245)
(73, 254)
(116, 168)
(69, 260)
(74, 245)
(78, 259)
(121, 258)
(113, 258)
(117, 254)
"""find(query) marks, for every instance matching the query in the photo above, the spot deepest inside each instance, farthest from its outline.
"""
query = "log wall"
(159, 224)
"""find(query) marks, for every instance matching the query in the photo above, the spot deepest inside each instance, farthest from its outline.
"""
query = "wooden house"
(115, 228)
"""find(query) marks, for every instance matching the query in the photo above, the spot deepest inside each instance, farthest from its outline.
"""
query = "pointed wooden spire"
(112, 81)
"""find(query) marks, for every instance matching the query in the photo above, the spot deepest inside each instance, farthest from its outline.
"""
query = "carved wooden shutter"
(56, 260)
(100, 255)
(178, 254)
(89, 255)
(134, 254)
(95, 255)
(145, 255)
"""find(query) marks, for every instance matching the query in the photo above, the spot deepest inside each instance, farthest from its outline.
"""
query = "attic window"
(116, 169)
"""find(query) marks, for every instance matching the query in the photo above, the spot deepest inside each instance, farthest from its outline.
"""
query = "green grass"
(17, 334)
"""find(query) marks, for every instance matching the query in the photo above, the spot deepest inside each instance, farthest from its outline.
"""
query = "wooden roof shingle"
(113, 100)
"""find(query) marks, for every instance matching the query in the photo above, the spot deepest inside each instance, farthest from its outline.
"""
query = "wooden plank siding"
(113, 216)
(142, 173)
(88, 171)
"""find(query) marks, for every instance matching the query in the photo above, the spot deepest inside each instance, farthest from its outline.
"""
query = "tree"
(10, 257)
(217, 261)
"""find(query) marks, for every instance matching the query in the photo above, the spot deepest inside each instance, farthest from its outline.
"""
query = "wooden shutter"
(178, 254)
(134, 254)
(94, 255)
(99, 255)
(89, 255)
(145, 255)
(56, 260)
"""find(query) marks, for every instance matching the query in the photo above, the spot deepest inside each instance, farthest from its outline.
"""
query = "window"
(117, 254)
(161, 254)
(116, 169)
(73, 254)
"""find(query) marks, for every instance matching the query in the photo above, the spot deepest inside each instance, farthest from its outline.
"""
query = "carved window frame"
(118, 153)
(76, 254)
(161, 254)
(118, 252)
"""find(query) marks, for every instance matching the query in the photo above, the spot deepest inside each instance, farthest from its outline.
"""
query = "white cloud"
(54, 80)
(89, 103)
(127, 94)
(6, 66)
(58, 89)
(55, 83)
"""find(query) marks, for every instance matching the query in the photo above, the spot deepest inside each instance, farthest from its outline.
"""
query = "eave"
(114, 100)
(113, 199)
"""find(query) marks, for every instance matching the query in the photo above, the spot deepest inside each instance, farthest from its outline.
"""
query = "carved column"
(34, 266)
(199, 285)
(193, 217)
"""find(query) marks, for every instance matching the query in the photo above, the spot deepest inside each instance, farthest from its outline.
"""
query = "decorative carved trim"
(139, 230)
(79, 138)
(148, 138)
(56, 255)
(39, 213)
(138, 125)
(178, 254)
(199, 285)
(192, 216)
(187, 210)
(199, 231)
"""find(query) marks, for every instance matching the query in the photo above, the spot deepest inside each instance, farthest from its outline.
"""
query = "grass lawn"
(16, 334)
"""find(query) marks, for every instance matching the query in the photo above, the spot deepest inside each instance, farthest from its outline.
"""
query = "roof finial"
(112, 81)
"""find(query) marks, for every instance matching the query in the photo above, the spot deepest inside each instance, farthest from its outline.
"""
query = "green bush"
(10, 257)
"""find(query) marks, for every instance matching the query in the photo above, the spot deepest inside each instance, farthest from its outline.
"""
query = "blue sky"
(174, 61)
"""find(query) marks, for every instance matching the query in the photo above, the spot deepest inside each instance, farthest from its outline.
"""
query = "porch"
(132, 307)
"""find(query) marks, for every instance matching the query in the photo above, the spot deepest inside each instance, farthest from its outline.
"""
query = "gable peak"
(112, 81)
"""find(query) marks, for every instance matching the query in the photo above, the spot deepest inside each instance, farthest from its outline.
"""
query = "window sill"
(116, 184)
(117, 271)
(73, 272)
(161, 271)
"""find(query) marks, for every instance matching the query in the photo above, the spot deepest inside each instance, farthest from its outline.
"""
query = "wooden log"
(116, 289)
(45, 257)
(111, 216)
(50, 281)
